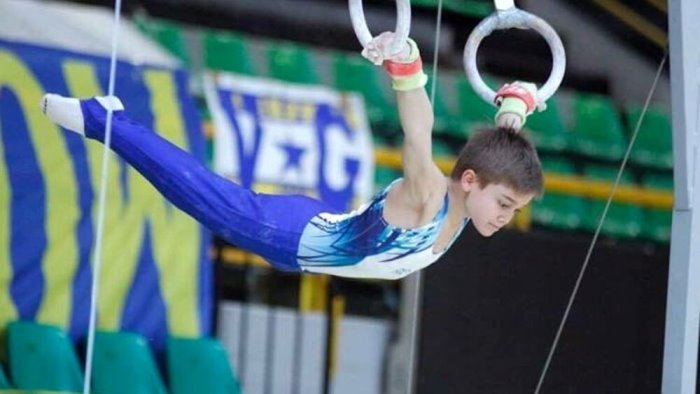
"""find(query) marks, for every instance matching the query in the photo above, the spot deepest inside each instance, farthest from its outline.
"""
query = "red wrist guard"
(515, 90)
(396, 69)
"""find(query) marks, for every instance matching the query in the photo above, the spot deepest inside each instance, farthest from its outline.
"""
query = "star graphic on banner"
(294, 154)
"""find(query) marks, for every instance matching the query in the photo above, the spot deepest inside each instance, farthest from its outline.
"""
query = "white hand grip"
(403, 24)
(514, 18)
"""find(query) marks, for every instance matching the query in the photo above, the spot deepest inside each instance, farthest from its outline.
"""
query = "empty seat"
(623, 219)
(547, 128)
(4, 382)
(383, 176)
(425, 3)
(472, 110)
(654, 144)
(447, 120)
(227, 51)
(558, 210)
(657, 221)
(291, 62)
(168, 34)
(200, 366)
(42, 357)
(353, 73)
(477, 8)
(597, 130)
(123, 363)
(442, 149)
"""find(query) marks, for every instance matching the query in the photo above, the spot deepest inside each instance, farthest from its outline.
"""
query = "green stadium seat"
(291, 62)
(353, 73)
(199, 366)
(473, 111)
(4, 382)
(547, 128)
(555, 209)
(657, 222)
(442, 148)
(168, 34)
(476, 8)
(654, 144)
(622, 220)
(123, 363)
(425, 3)
(383, 176)
(227, 51)
(446, 118)
(597, 130)
(381, 141)
(42, 357)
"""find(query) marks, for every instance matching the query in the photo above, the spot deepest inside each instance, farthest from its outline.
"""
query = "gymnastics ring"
(508, 17)
(403, 24)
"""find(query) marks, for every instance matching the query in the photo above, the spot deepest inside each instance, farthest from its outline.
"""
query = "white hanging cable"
(600, 225)
(436, 51)
(97, 251)
(419, 275)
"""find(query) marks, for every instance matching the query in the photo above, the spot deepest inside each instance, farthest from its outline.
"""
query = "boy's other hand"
(515, 102)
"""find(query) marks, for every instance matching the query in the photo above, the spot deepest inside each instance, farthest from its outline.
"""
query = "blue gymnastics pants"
(267, 225)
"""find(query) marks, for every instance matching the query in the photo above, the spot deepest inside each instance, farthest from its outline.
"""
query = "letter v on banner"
(277, 137)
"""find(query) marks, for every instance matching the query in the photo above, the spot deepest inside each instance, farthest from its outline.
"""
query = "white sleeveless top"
(361, 244)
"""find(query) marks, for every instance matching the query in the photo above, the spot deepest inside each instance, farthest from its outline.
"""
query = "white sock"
(66, 111)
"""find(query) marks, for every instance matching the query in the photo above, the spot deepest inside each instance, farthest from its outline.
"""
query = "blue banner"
(156, 274)
(278, 137)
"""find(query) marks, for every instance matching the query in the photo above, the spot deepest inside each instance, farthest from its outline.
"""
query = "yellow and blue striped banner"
(156, 272)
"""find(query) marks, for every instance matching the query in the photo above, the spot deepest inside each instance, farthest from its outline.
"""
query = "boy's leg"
(268, 225)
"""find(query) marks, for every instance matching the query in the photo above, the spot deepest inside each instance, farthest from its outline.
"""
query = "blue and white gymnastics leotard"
(292, 232)
(362, 244)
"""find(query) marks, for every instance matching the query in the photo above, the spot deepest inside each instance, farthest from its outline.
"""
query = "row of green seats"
(597, 130)
(42, 357)
(622, 220)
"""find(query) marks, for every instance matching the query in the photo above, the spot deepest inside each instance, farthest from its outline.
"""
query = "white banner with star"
(277, 137)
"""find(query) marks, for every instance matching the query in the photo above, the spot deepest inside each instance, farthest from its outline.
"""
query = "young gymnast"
(406, 227)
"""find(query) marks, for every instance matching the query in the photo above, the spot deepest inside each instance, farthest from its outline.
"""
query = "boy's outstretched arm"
(423, 180)
(422, 177)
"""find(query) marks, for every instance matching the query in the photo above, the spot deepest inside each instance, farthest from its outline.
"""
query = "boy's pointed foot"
(64, 111)
(67, 112)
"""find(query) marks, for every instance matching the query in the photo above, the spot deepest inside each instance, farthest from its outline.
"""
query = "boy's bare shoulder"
(402, 210)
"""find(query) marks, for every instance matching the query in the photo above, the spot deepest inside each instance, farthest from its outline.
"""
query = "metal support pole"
(404, 355)
(683, 307)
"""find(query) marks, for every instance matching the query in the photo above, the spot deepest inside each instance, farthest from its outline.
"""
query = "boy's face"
(492, 207)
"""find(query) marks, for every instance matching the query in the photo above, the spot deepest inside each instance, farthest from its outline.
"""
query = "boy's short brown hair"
(499, 155)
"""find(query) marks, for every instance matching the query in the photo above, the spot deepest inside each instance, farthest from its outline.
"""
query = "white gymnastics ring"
(514, 17)
(403, 24)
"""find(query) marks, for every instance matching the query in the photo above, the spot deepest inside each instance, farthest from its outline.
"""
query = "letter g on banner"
(337, 163)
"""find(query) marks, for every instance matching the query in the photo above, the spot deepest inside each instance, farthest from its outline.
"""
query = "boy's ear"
(469, 180)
